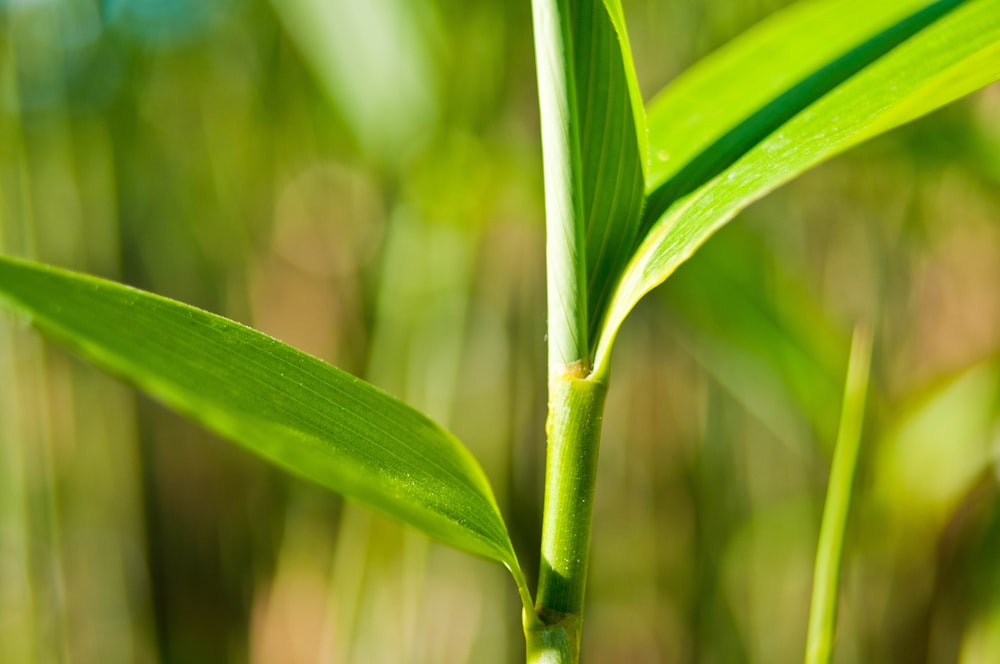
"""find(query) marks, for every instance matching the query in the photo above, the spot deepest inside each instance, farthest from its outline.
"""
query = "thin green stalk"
(823, 612)
(576, 409)
(576, 403)
(565, 253)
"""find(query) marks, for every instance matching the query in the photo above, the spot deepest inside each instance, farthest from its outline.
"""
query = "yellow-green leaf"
(805, 85)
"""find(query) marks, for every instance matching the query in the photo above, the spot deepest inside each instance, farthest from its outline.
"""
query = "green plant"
(631, 193)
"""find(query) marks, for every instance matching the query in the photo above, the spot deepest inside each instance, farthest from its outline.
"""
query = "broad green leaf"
(715, 95)
(291, 408)
(612, 146)
(804, 86)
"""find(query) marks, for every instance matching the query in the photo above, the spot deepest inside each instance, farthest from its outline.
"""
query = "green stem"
(576, 403)
(576, 407)
(565, 253)
(823, 611)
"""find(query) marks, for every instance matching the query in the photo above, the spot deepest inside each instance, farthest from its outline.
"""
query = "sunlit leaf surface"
(291, 408)
(783, 109)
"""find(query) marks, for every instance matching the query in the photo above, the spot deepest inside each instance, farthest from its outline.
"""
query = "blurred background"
(363, 180)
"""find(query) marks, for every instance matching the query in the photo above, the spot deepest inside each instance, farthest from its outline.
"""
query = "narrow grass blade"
(290, 408)
(823, 611)
(906, 59)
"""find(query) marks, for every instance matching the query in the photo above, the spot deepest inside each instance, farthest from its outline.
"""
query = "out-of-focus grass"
(221, 153)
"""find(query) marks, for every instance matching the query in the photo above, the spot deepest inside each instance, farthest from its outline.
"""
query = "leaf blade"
(830, 548)
(294, 410)
(612, 147)
(952, 51)
(715, 94)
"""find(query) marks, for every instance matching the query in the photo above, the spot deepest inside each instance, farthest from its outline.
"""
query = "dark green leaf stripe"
(721, 91)
(754, 128)
(612, 163)
(915, 58)
(289, 407)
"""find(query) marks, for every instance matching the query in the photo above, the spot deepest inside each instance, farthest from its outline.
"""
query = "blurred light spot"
(328, 224)
(767, 571)
(981, 642)
(163, 22)
(61, 55)
(328, 221)
(935, 451)
(374, 59)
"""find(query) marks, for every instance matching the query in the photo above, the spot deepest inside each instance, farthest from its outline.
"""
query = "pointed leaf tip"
(290, 408)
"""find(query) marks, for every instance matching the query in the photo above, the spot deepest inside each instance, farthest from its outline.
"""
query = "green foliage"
(565, 248)
(714, 153)
(631, 193)
(823, 612)
(613, 148)
(292, 409)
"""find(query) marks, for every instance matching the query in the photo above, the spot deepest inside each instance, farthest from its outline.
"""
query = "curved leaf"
(911, 58)
(280, 403)
(720, 92)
